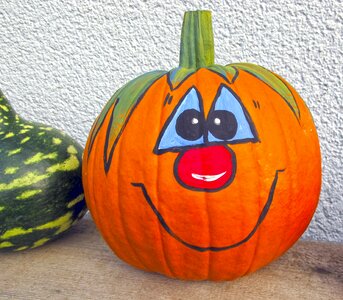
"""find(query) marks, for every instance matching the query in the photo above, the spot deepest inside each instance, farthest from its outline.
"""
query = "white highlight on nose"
(207, 178)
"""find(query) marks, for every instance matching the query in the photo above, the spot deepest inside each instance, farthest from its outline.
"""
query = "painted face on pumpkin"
(205, 162)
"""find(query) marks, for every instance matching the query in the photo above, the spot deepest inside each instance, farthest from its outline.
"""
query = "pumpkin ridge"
(126, 231)
(209, 236)
(257, 234)
(289, 169)
(260, 205)
(98, 210)
(168, 264)
(289, 145)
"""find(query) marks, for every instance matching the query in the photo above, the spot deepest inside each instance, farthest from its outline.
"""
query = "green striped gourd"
(41, 192)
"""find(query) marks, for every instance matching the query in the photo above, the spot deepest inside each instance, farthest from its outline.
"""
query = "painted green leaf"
(123, 101)
(273, 81)
(178, 75)
(229, 73)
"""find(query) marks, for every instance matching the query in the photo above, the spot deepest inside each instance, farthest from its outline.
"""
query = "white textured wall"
(61, 60)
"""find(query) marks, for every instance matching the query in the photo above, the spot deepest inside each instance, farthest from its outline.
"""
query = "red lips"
(206, 168)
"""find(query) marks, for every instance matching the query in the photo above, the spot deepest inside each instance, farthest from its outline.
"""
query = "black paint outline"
(226, 184)
(114, 104)
(201, 120)
(211, 248)
(166, 99)
(172, 87)
(206, 144)
(245, 112)
(170, 118)
(253, 130)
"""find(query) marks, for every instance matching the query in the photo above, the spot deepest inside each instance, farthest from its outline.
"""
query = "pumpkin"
(204, 172)
(41, 192)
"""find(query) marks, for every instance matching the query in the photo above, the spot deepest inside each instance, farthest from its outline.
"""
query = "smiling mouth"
(211, 248)
(207, 178)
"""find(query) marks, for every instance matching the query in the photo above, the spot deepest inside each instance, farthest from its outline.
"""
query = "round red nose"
(207, 168)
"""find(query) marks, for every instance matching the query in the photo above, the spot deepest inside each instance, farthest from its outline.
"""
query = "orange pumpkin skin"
(213, 234)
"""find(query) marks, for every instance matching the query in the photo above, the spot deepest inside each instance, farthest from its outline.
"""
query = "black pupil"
(222, 124)
(190, 124)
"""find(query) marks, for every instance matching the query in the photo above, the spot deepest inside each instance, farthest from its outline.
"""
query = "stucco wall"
(61, 60)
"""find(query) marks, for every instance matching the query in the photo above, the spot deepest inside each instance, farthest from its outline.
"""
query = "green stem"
(197, 45)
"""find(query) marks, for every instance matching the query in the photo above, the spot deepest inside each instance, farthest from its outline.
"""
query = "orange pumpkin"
(205, 171)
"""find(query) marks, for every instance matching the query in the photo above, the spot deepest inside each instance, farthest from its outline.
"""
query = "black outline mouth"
(210, 248)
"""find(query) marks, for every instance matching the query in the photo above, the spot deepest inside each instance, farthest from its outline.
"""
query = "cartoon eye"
(189, 125)
(185, 126)
(228, 120)
(222, 124)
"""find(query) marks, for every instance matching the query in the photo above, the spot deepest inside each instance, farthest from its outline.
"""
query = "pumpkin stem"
(197, 44)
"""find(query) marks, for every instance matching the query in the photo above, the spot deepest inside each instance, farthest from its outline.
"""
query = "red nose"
(207, 168)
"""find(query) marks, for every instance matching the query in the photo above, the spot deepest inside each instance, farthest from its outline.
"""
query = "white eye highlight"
(195, 121)
(217, 121)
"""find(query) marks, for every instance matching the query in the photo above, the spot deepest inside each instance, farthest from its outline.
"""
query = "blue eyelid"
(227, 100)
(169, 140)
